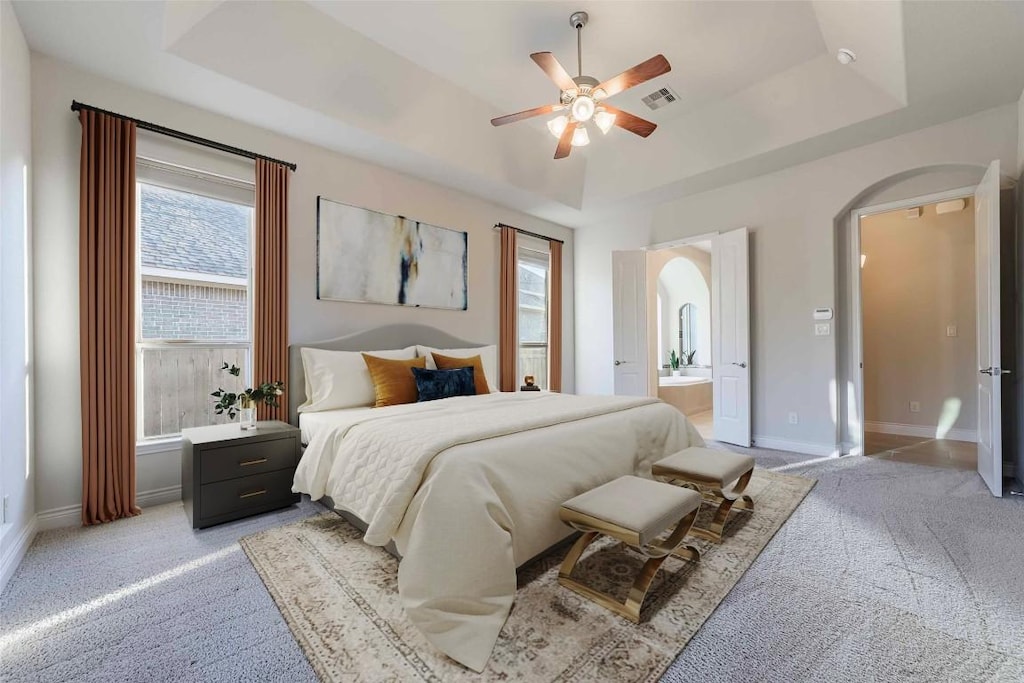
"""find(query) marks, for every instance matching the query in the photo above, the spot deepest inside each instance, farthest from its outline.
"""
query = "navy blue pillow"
(434, 384)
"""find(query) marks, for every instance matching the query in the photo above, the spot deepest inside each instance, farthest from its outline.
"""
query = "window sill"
(150, 447)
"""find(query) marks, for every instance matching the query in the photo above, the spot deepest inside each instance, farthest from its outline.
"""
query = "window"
(687, 329)
(533, 262)
(193, 303)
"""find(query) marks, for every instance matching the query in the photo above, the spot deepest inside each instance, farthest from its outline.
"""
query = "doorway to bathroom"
(680, 331)
(710, 339)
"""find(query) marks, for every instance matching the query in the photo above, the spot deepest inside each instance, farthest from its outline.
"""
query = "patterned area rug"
(339, 596)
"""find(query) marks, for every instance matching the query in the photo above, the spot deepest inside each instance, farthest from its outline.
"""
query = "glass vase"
(247, 417)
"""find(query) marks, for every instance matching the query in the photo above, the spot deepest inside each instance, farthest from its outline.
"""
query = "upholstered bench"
(637, 512)
(720, 476)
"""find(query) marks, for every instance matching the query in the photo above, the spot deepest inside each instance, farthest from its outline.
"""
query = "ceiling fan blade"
(645, 71)
(554, 70)
(529, 113)
(634, 124)
(565, 142)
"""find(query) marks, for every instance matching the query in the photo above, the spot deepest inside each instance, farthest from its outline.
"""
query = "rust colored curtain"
(555, 318)
(270, 284)
(106, 289)
(508, 329)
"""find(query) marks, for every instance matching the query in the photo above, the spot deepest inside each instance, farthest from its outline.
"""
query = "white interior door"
(986, 250)
(629, 318)
(730, 322)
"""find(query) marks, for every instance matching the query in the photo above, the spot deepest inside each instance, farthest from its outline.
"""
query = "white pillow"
(488, 357)
(340, 379)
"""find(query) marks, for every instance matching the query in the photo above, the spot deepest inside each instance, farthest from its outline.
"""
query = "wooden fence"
(533, 360)
(177, 383)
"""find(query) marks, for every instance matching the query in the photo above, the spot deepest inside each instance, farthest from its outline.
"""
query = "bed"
(467, 489)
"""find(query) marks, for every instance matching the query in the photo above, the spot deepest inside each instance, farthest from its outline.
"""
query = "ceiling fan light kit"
(584, 97)
(604, 119)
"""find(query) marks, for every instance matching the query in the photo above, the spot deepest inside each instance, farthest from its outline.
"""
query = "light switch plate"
(822, 329)
(915, 407)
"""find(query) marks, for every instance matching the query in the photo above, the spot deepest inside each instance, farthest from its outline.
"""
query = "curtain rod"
(187, 137)
(527, 232)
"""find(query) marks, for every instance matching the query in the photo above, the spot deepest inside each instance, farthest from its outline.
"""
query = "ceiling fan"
(585, 97)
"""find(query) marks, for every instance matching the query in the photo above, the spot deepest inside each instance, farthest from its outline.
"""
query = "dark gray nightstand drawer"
(252, 492)
(230, 462)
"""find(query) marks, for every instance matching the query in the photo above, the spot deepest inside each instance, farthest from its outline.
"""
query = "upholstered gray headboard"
(375, 339)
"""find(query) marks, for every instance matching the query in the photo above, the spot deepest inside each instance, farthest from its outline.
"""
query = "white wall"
(792, 215)
(56, 139)
(917, 280)
(17, 469)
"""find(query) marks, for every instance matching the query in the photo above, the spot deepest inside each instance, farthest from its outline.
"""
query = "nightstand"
(228, 473)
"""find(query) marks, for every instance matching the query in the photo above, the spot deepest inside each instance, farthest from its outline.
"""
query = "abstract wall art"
(371, 257)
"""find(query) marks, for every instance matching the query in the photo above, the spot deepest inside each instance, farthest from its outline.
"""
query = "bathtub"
(689, 395)
(681, 381)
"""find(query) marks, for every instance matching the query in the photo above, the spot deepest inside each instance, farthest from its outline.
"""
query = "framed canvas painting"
(371, 257)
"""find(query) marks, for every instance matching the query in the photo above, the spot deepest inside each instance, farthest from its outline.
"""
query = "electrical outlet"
(794, 419)
(915, 407)
(822, 329)
(950, 330)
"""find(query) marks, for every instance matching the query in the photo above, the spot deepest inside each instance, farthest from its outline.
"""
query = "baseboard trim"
(58, 518)
(167, 494)
(922, 431)
(71, 515)
(805, 447)
(16, 552)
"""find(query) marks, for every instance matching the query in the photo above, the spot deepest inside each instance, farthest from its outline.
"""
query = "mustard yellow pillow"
(393, 380)
(451, 363)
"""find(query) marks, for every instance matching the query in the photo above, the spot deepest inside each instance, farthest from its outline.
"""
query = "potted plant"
(673, 360)
(244, 403)
(688, 357)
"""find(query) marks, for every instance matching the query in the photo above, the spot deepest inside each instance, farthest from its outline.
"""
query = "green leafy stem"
(231, 403)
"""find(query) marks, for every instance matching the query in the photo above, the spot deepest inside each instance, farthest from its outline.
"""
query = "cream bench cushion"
(643, 507)
(705, 465)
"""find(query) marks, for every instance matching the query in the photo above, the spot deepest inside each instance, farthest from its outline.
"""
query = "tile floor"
(704, 422)
(960, 455)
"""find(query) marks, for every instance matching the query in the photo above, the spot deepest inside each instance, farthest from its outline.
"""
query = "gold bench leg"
(656, 554)
(728, 499)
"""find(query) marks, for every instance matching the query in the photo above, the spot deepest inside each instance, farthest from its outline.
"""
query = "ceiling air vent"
(660, 98)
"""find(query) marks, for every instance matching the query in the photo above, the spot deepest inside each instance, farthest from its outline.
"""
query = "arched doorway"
(681, 348)
(867, 400)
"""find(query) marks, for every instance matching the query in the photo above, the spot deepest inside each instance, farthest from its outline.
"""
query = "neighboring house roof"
(184, 231)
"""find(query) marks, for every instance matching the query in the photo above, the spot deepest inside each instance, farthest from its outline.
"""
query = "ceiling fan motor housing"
(585, 86)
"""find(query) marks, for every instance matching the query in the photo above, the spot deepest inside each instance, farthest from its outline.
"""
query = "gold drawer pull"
(253, 493)
(252, 462)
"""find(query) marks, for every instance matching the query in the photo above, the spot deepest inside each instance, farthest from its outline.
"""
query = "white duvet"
(469, 488)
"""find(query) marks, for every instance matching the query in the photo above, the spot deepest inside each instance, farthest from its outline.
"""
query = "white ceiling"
(484, 47)
(412, 85)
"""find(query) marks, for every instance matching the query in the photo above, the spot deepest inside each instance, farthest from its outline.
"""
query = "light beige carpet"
(339, 597)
